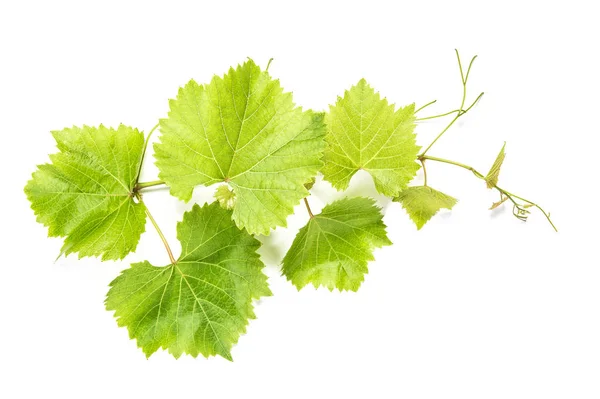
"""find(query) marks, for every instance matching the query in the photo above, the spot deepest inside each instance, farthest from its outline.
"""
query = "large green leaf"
(365, 132)
(242, 129)
(333, 249)
(423, 202)
(86, 193)
(200, 304)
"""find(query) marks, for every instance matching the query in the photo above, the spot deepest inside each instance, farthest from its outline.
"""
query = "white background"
(475, 305)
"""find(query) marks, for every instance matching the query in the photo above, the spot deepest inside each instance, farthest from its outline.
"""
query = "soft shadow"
(271, 250)
(494, 213)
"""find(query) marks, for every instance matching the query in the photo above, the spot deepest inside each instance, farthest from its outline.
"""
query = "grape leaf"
(225, 196)
(200, 304)
(244, 130)
(423, 202)
(85, 194)
(491, 178)
(333, 249)
(364, 132)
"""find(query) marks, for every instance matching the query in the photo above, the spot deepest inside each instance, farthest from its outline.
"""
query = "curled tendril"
(520, 212)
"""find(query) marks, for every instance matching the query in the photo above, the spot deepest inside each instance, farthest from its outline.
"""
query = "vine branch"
(461, 110)
(519, 209)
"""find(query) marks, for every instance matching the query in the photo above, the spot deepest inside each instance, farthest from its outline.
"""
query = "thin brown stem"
(308, 208)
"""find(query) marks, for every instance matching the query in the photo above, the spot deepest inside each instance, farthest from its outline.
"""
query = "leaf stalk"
(140, 186)
(144, 151)
(308, 208)
(159, 231)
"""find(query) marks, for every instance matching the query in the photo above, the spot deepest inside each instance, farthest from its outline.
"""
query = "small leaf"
(242, 129)
(365, 132)
(497, 204)
(422, 203)
(333, 249)
(202, 303)
(86, 193)
(310, 184)
(225, 196)
(492, 177)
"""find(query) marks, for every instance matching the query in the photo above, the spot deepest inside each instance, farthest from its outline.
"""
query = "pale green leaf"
(242, 129)
(365, 132)
(333, 249)
(86, 193)
(491, 178)
(202, 303)
(498, 203)
(422, 203)
(225, 196)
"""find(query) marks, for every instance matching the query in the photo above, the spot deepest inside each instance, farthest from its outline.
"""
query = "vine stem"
(425, 106)
(159, 231)
(424, 172)
(140, 186)
(479, 175)
(308, 208)
(461, 110)
(461, 165)
(145, 148)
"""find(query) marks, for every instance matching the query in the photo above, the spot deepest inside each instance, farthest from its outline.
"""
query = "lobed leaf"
(333, 249)
(86, 193)
(423, 202)
(242, 129)
(201, 304)
(365, 132)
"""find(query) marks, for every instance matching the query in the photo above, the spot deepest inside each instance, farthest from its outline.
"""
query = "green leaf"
(333, 249)
(422, 203)
(85, 194)
(202, 303)
(242, 129)
(492, 177)
(495, 205)
(225, 196)
(310, 184)
(364, 132)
